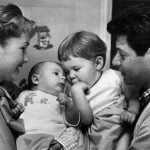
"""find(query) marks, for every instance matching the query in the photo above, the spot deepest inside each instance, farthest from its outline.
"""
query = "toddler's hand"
(18, 110)
(80, 86)
(63, 99)
(128, 117)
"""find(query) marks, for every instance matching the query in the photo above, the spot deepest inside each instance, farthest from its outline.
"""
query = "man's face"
(127, 61)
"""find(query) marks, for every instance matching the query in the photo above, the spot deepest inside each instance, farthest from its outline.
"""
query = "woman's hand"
(18, 110)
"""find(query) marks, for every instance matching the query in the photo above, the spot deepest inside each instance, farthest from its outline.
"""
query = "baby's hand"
(80, 86)
(18, 110)
(128, 117)
(63, 99)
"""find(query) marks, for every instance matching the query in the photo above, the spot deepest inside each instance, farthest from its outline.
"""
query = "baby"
(47, 110)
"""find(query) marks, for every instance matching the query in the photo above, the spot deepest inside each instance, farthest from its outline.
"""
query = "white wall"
(63, 17)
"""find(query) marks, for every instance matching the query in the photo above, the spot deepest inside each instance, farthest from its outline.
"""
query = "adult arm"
(141, 139)
(132, 94)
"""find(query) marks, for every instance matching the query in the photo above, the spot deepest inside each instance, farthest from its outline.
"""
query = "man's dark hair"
(133, 22)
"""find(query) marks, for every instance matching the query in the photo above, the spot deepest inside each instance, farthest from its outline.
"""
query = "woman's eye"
(23, 49)
(76, 69)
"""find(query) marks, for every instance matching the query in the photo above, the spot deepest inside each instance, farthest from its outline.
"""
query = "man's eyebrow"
(118, 49)
(121, 51)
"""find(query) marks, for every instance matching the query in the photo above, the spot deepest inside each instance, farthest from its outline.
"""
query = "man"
(132, 28)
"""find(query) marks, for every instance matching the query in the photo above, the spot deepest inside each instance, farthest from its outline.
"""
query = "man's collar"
(144, 99)
(145, 94)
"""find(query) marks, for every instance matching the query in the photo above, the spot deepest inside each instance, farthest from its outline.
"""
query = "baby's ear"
(99, 62)
(35, 79)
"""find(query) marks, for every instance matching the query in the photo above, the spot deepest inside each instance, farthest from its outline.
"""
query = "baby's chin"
(60, 91)
(57, 92)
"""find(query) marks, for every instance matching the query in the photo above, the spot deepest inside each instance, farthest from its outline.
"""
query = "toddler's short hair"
(82, 44)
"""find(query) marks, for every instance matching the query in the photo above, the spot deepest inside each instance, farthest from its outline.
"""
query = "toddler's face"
(79, 69)
(52, 79)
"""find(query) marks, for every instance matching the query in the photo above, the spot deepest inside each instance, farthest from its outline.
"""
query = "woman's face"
(12, 56)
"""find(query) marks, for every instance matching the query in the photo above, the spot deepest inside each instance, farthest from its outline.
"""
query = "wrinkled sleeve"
(141, 140)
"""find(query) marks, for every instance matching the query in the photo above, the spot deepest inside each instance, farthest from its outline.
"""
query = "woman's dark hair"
(13, 23)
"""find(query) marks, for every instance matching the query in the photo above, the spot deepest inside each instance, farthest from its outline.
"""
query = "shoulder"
(145, 115)
(23, 94)
(142, 129)
(113, 74)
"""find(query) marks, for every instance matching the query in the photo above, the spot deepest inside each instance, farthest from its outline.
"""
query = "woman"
(15, 34)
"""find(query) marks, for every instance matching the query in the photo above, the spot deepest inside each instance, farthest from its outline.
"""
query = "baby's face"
(52, 79)
(79, 69)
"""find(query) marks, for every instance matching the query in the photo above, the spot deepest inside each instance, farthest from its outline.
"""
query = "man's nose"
(116, 61)
(26, 58)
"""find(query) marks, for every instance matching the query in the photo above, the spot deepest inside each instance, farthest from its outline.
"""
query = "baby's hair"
(82, 44)
(13, 23)
(36, 69)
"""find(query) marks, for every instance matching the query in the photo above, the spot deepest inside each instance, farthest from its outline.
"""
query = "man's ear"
(99, 62)
(35, 79)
